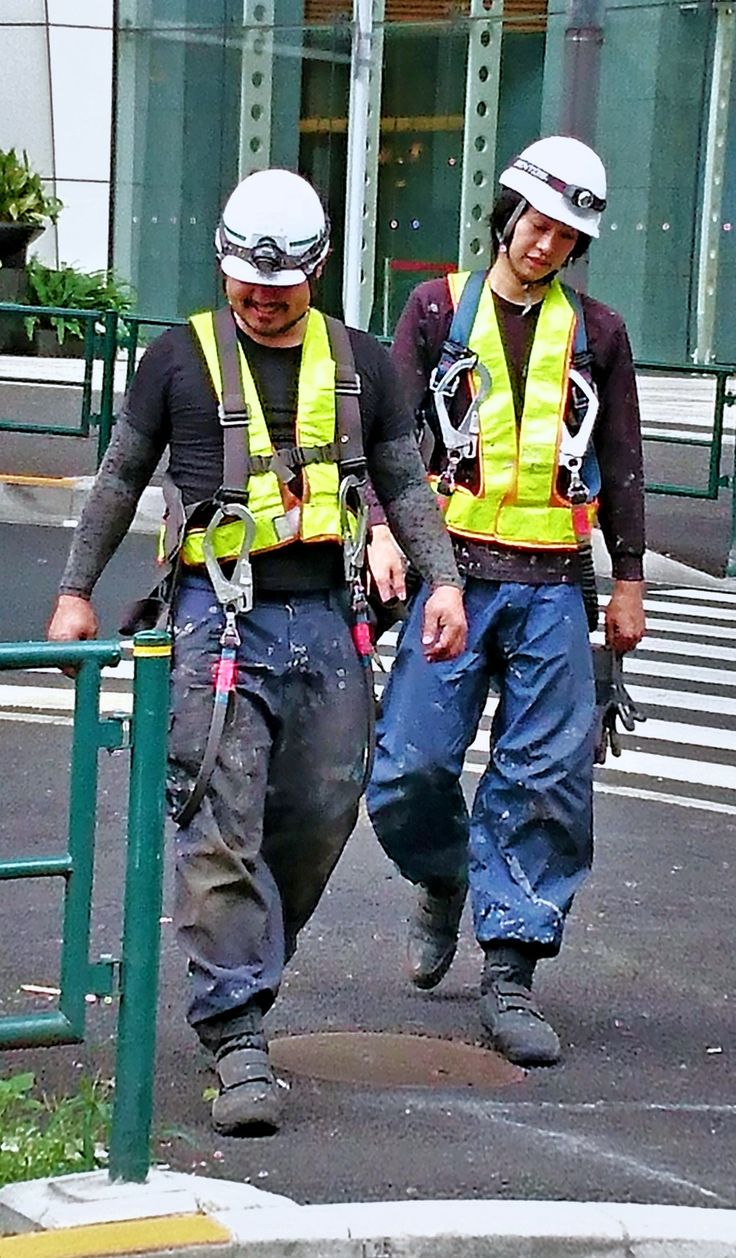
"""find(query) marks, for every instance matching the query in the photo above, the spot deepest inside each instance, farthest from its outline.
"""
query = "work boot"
(433, 930)
(517, 1027)
(248, 1102)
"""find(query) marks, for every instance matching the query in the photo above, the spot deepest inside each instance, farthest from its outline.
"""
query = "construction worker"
(272, 414)
(512, 372)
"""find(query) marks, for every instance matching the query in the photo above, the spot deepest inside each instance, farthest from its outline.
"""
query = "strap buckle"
(352, 387)
(233, 419)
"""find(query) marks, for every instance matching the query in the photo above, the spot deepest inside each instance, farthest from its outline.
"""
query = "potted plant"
(73, 290)
(25, 208)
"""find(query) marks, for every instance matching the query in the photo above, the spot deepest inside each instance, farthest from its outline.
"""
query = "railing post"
(136, 1041)
(731, 561)
(107, 392)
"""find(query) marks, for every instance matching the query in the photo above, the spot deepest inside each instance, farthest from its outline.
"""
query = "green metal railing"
(133, 978)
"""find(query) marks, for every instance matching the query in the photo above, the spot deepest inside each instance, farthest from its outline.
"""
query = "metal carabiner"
(462, 439)
(353, 539)
(237, 591)
(574, 445)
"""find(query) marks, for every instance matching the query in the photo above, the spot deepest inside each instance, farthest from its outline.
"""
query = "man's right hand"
(444, 629)
(74, 619)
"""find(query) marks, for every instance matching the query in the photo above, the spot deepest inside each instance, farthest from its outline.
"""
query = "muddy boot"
(249, 1101)
(517, 1027)
(433, 931)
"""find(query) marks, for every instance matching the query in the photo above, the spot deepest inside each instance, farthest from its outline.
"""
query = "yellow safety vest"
(316, 516)
(516, 502)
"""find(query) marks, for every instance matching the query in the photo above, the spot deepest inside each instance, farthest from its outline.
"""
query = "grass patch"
(41, 1135)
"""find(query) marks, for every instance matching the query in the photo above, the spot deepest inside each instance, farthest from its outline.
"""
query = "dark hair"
(507, 201)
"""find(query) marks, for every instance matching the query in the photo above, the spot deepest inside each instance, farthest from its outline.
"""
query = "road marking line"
(48, 697)
(132, 1236)
(662, 731)
(689, 609)
(723, 632)
(662, 668)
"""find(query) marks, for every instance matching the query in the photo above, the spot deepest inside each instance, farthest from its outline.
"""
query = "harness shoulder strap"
(233, 409)
(581, 355)
(467, 308)
(582, 361)
(349, 425)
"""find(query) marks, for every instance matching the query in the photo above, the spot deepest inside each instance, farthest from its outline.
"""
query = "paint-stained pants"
(528, 841)
(283, 798)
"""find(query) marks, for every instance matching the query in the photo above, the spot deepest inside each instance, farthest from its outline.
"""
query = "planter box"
(45, 344)
(14, 289)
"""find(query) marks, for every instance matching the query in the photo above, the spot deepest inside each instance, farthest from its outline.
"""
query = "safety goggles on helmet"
(270, 255)
(581, 198)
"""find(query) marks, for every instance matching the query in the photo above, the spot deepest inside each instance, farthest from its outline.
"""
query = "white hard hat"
(562, 178)
(273, 230)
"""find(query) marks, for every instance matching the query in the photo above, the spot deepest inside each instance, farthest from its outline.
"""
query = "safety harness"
(576, 456)
(234, 591)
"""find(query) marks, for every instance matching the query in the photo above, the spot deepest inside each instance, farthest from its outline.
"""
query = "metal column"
(257, 86)
(715, 158)
(479, 141)
(364, 123)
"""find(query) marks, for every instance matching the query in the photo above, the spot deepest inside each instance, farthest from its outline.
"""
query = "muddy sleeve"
(400, 483)
(128, 465)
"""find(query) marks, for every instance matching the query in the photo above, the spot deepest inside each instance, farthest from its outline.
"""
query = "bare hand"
(386, 564)
(445, 628)
(625, 623)
(74, 619)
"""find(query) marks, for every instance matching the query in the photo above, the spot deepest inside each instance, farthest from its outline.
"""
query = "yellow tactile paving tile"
(132, 1236)
(63, 481)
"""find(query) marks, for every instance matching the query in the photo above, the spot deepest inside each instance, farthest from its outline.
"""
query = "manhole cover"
(389, 1061)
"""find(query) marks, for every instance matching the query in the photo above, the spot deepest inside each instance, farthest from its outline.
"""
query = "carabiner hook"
(237, 591)
(353, 540)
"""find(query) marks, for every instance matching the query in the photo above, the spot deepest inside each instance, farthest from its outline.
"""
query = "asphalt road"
(641, 1109)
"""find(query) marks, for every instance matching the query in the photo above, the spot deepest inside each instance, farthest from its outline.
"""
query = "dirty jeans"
(283, 798)
(528, 841)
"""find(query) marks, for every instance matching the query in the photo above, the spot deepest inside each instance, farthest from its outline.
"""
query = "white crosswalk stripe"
(681, 407)
(683, 676)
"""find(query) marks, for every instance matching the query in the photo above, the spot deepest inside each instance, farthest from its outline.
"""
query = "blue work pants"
(527, 843)
(283, 798)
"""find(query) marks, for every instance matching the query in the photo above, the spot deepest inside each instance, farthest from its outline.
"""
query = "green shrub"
(71, 289)
(23, 198)
(50, 1136)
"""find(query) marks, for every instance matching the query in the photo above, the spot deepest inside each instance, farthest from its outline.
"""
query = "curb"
(78, 1216)
(58, 503)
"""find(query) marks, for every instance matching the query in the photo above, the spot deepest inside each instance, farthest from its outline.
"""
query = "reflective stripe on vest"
(516, 502)
(317, 515)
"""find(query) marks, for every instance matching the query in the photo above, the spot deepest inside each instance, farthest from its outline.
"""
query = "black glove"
(612, 703)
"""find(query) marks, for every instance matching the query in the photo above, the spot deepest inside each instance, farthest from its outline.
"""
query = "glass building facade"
(208, 90)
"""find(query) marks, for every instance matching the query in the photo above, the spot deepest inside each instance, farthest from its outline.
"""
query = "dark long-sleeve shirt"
(172, 404)
(424, 326)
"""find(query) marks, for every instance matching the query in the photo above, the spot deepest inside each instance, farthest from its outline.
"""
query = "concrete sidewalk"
(82, 1216)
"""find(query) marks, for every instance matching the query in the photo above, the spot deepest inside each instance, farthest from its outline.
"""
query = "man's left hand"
(625, 624)
(445, 629)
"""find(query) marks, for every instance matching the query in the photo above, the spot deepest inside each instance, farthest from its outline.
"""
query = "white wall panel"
(22, 11)
(81, 90)
(83, 228)
(79, 12)
(25, 107)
